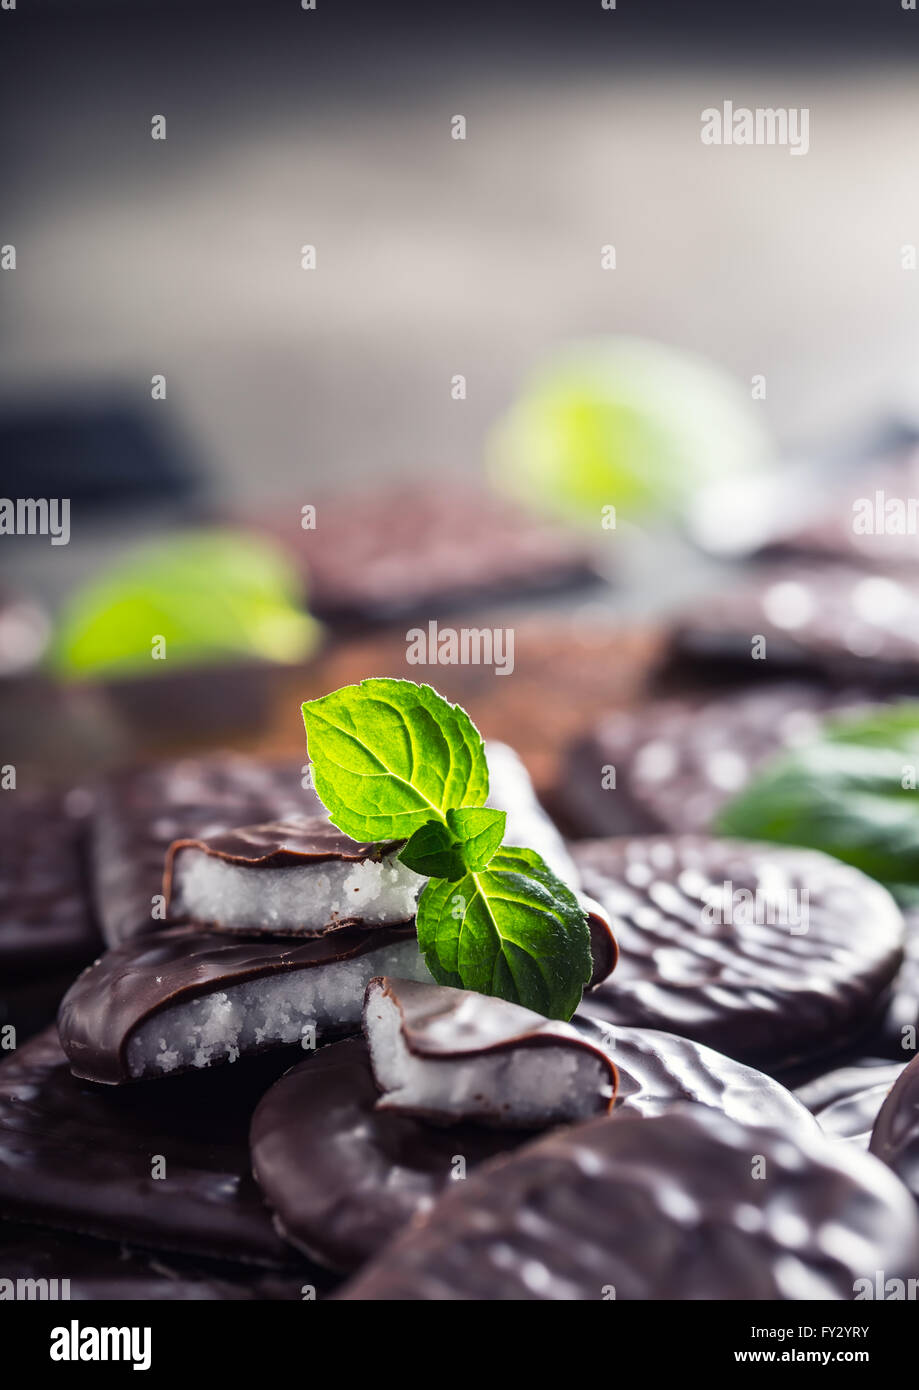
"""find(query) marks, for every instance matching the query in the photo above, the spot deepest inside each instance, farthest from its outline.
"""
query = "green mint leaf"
(480, 831)
(851, 792)
(513, 930)
(466, 842)
(389, 755)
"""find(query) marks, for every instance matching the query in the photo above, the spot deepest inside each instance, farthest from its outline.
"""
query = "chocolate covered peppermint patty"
(188, 999)
(671, 766)
(160, 1167)
(291, 878)
(690, 1205)
(769, 954)
(451, 1056)
(301, 875)
(895, 1137)
(344, 1175)
(418, 552)
(837, 622)
(660, 1070)
(140, 812)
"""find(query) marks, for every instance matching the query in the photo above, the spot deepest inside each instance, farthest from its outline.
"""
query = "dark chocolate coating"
(755, 992)
(837, 622)
(677, 762)
(140, 812)
(46, 920)
(96, 1269)
(342, 1176)
(418, 552)
(677, 1207)
(659, 1070)
(290, 844)
(126, 986)
(895, 1137)
(441, 1022)
(79, 1157)
(846, 1101)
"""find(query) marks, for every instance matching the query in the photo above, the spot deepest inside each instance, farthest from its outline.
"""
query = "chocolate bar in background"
(46, 921)
(139, 812)
(671, 765)
(418, 551)
(834, 623)
(85, 1159)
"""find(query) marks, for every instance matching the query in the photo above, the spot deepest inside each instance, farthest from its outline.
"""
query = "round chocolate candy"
(343, 1177)
(895, 1137)
(770, 954)
(689, 1205)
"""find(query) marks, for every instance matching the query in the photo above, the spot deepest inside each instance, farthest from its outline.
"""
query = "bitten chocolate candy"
(690, 1205)
(165, 1167)
(677, 762)
(769, 954)
(345, 1176)
(187, 999)
(837, 622)
(288, 878)
(141, 811)
(451, 1056)
(895, 1137)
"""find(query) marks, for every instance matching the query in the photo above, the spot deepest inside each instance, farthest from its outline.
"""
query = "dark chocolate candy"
(697, 963)
(306, 843)
(846, 1101)
(139, 980)
(344, 1176)
(677, 762)
(341, 1175)
(659, 1070)
(418, 552)
(51, 1265)
(480, 1048)
(46, 921)
(82, 1158)
(836, 622)
(895, 1137)
(141, 811)
(690, 1205)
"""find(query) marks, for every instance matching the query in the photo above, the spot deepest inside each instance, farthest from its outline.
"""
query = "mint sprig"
(513, 930)
(393, 760)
